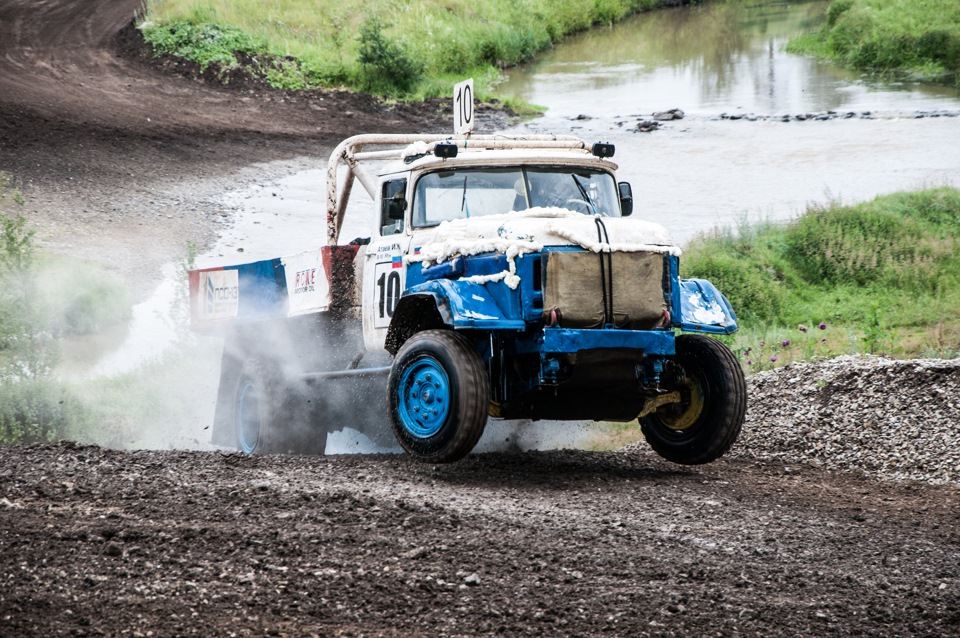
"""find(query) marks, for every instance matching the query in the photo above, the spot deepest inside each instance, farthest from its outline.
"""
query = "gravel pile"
(890, 419)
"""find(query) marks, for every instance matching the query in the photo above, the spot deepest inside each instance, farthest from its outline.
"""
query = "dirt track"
(98, 542)
(120, 161)
(563, 543)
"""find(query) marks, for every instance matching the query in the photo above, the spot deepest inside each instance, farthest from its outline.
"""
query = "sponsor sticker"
(307, 287)
(221, 294)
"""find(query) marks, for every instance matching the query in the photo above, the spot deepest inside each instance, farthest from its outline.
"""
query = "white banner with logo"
(307, 287)
(220, 291)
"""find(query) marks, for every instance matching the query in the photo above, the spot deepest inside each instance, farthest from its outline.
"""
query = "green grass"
(917, 37)
(412, 48)
(881, 276)
(41, 297)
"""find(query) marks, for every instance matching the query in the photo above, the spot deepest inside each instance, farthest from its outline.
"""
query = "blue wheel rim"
(248, 418)
(424, 398)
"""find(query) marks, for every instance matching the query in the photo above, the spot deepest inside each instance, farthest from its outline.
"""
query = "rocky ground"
(890, 419)
(836, 513)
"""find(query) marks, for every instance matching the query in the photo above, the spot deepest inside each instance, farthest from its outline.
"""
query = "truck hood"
(531, 230)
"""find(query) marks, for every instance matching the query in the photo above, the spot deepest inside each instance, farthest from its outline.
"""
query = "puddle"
(284, 217)
(144, 338)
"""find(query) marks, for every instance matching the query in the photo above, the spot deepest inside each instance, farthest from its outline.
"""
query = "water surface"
(714, 58)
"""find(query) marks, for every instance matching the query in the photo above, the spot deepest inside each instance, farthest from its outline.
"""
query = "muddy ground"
(562, 543)
(120, 161)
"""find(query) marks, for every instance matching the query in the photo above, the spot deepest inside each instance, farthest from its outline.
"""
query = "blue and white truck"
(503, 277)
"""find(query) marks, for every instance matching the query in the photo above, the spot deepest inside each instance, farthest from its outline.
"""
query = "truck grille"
(573, 286)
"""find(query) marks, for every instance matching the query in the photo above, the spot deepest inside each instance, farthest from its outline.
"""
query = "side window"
(393, 204)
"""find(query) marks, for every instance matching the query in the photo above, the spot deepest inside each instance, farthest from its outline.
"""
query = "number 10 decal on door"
(388, 285)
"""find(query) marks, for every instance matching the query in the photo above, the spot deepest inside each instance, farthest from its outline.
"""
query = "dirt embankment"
(122, 162)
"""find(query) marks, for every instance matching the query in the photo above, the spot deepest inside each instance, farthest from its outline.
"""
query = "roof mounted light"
(445, 150)
(603, 149)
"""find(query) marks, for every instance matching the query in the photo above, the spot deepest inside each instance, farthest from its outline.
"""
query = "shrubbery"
(414, 48)
(889, 35)
(31, 406)
(42, 298)
(891, 264)
(386, 65)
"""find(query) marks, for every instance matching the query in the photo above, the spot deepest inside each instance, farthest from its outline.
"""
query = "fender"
(458, 305)
(703, 308)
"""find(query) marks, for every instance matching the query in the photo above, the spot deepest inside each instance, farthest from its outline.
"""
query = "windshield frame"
(570, 176)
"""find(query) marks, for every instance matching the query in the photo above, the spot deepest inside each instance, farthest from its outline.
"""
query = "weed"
(387, 67)
(889, 35)
(336, 42)
(882, 273)
(876, 336)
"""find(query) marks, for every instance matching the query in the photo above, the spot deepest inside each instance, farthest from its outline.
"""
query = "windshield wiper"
(463, 202)
(583, 192)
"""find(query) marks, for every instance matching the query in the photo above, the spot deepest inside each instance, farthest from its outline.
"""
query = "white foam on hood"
(518, 233)
(710, 314)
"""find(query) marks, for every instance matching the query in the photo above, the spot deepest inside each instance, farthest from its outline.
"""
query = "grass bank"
(880, 277)
(43, 297)
(411, 48)
(918, 38)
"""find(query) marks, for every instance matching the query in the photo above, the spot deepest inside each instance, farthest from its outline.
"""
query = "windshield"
(470, 192)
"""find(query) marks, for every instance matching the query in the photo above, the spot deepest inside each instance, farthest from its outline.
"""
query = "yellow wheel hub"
(675, 419)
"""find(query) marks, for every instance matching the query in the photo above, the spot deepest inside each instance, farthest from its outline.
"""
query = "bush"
(37, 411)
(33, 407)
(749, 283)
(203, 43)
(884, 274)
(889, 35)
(905, 242)
(387, 67)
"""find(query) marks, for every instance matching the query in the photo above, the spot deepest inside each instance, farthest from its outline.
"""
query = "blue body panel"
(658, 342)
(703, 308)
(696, 304)
(466, 305)
(262, 290)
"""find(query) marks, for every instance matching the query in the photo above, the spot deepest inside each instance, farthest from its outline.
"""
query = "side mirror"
(393, 202)
(626, 199)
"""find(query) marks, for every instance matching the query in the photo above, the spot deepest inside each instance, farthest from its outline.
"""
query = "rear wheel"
(707, 421)
(438, 394)
(272, 415)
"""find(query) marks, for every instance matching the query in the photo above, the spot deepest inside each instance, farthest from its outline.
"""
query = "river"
(727, 59)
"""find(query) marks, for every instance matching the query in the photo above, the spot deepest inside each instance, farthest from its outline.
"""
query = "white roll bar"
(350, 152)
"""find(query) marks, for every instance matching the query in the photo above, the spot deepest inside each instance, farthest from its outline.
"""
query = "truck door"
(384, 271)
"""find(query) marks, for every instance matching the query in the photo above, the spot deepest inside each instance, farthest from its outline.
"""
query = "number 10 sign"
(463, 107)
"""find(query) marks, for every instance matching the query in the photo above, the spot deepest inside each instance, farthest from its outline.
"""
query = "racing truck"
(502, 278)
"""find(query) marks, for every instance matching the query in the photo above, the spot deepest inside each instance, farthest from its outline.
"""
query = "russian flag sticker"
(397, 261)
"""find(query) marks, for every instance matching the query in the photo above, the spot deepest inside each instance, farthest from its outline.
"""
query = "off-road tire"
(438, 393)
(272, 414)
(708, 421)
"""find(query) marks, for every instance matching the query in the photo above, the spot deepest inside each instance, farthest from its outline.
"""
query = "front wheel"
(707, 421)
(438, 394)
